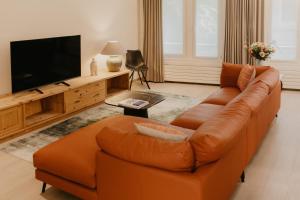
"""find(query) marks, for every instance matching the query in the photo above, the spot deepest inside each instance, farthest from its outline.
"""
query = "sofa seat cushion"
(223, 96)
(196, 116)
(146, 150)
(217, 136)
(74, 157)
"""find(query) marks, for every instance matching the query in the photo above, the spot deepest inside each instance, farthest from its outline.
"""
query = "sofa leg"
(276, 115)
(243, 177)
(44, 187)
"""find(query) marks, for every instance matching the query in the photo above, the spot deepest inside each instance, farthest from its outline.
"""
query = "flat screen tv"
(44, 61)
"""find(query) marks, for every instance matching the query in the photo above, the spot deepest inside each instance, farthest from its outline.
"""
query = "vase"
(94, 68)
(259, 62)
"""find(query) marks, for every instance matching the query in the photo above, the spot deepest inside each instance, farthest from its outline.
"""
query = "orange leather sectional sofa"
(225, 131)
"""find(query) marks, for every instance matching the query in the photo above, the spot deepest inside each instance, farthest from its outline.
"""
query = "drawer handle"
(96, 95)
(76, 91)
(78, 101)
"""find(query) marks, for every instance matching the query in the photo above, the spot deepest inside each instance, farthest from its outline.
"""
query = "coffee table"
(152, 98)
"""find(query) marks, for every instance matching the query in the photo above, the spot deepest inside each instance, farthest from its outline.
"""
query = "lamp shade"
(112, 48)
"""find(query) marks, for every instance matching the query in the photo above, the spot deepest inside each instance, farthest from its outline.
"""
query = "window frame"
(189, 56)
(268, 35)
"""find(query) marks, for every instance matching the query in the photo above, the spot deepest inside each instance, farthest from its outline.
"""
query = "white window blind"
(207, 28)
(173, 27)
(284, 30)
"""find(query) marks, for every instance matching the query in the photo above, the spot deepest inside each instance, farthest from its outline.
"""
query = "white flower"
(262, 54)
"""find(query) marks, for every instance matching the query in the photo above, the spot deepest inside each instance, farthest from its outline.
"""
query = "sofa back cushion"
(230, 73)
(261, 69)
(218, 135)
(145, 150)
(253, 96)
(269, 77)
(246, 76)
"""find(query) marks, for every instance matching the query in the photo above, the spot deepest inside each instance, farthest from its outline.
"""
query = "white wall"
(97, 21)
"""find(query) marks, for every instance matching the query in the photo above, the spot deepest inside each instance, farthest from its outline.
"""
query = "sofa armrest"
(119, 179)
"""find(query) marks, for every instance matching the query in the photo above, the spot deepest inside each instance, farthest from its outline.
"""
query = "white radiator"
(211, 75)
(192, 74)
(290, 77)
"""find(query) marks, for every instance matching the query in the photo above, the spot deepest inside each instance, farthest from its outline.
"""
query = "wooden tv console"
(26, 111)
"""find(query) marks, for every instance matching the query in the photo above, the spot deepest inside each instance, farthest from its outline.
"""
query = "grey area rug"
(24, 147)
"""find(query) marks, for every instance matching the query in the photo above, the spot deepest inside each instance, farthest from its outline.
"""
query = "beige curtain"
(244, 25)
(152, 39)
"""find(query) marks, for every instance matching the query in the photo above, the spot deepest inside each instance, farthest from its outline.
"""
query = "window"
(284, 30)
(173, 27)
(191, 28)
(207, 34)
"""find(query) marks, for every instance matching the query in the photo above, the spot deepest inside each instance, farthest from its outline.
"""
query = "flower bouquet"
(260, 51)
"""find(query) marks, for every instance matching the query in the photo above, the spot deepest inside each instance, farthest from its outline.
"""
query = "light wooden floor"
(274, 174)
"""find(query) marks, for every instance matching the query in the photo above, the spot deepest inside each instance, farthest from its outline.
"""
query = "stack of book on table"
(133, 103)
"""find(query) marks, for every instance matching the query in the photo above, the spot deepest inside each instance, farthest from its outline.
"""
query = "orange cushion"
(223, 96)
(261, 69)
(247, 75)
(269, 77)
(196, 116)
(72, 157)
(229, 75)
(254, 96)
(144, 150)
(161, 131)
(217, 136)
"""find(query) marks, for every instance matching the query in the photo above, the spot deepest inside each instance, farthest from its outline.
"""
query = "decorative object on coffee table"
(114, 50)
(152, 98)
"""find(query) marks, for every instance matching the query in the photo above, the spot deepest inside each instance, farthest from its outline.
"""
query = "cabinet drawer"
(85, 96)
(75, 106)
(10, 120)
(74, 95)
(96, 87)
(96, 98)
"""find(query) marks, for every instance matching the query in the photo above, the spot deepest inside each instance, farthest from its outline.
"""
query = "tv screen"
(43, 61)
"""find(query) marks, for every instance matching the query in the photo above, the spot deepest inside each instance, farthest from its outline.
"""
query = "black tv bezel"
(37, 88)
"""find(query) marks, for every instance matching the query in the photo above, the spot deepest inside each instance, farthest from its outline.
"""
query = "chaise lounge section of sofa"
(225, 131)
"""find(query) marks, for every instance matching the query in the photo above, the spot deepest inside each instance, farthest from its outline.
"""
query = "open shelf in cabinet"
(117, 84)
(44, 109)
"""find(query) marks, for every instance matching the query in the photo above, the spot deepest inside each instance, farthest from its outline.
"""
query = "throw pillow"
(247, 75)
(160, 131)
